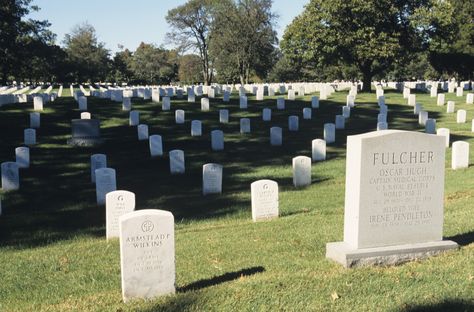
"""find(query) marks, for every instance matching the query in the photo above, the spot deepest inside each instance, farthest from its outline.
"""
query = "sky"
(128, 22)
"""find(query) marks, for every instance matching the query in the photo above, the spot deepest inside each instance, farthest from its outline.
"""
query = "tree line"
(230, 41)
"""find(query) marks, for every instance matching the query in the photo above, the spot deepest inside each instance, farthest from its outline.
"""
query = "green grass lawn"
(53, 252)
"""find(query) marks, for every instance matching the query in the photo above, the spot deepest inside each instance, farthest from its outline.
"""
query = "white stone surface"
(85, 115)
(382, 125)
(318, 149)
(38, 103)
(307, 113)
(422, 118)
(217, 140)
(280, 103)
(243, 102)
(412, 99)
(35, 120)
(346, 111)
(134, 118)
(461, 116)
(117, 203)
(211, 179)
(266, 114)
(29, 136)
(470, 98)
(440, 100)
(329, 133)
(179, 115)
(460, 155)
(10, 176)
(444, 132)
(142, 132)
(82, 101)
(196, 128)
(244, 125)
(301, 171)
(314, 102)
(205, 104)
(223, 115)
(394, 188)
(22, 157)
(126, 104)
(293, 123)
(97, 161)
(166, 103)
(430, 126)
(264, 195)
(450, 107)
(276, 136)
(340, 122)
(105, 181)
(177, 165)
(156, 145)
(147, 254)
(291, 95)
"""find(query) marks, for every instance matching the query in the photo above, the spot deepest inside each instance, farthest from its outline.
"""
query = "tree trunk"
(367, 80)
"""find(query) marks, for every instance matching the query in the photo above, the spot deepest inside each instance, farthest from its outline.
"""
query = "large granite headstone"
(394, 199)
(85, 132)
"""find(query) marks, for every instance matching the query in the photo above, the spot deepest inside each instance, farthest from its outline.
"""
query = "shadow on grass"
(216, 280)
(463, 239)
(444, 306)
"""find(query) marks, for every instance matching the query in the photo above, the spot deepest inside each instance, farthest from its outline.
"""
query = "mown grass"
(54, 256)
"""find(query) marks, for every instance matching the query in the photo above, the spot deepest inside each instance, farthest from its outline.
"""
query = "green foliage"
(88, 57)
(243, 39)
(153, 65)
(121, 67)
(26, 45)
(191, 24)
(189, 71)
(368, 34)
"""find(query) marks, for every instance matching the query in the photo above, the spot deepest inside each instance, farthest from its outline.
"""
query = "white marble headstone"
(314, 102)
(134, 119)
(211, 179)
(177, 165)
(318, 148)
(440, 99)
(10, 176)
(340, 122)
(142, 132)
(264, 195)
(166, 104)
(217, 140)
(301, 171)
(117, 203)
(461, 116)
(276, 136)
(243, 102)
(205, 104)
(97, 161)
(444, 132)
(147, 254)
(223, 115)
(85, 115)
(266, 114)
(179, 116)
(105, 181)
(30, 136)
(22, 156)
(244, 125)
(329, 133)
(450, 107)
(307, 112)
(293, 123)
(460, 155)
(280, 103)
(196, 128)
(38, 103)
(127, 104)
(35, 120)
(156, 145)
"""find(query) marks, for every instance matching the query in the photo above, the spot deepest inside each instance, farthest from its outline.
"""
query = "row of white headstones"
(264, 194)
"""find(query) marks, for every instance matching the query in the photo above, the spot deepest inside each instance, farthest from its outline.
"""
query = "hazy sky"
(130, 22)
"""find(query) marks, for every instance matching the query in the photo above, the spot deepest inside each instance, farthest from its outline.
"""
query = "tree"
(18, 37)
(189, 71)
(154, 65)
(244, 38)
(88, 57)
(121, 67)
(368, 34)
(191, 25)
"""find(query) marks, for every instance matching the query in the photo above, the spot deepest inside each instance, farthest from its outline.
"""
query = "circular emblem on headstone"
(265, 186)
(120, 198)
(147, 226)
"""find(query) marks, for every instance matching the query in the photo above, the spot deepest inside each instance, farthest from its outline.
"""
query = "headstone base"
(385, 256)
(85, 141)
